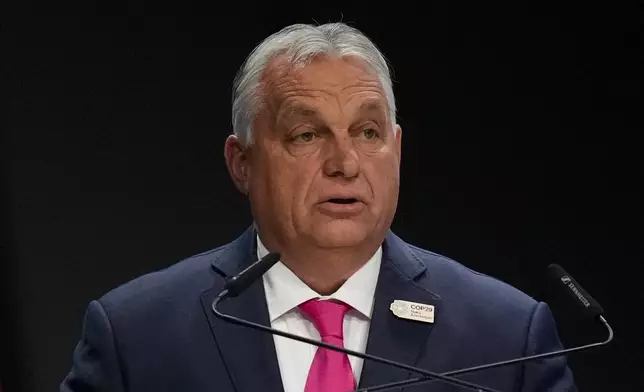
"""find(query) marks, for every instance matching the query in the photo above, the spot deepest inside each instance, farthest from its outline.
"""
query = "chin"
(339, 233)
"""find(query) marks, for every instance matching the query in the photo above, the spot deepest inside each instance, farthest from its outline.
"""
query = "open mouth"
(343, 201)
(342, 207)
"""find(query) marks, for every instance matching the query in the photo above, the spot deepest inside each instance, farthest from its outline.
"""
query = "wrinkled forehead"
(343, 78)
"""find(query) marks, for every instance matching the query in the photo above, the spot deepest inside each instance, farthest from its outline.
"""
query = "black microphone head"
(240, 282)
(573, 289)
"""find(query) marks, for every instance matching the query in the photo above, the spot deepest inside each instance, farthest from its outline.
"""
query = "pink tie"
(330, 370)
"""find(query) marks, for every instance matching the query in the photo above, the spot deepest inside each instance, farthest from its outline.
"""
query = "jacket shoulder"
(453, 280)
(165, 287)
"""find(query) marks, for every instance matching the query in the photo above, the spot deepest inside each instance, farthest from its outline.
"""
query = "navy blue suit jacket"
(158, 333)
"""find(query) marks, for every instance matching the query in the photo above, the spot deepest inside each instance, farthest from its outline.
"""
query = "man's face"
(323, 169)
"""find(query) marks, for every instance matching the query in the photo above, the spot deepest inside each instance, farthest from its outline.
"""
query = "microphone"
(237, 284)
(570, 286)
(590, 307)
(240, 282)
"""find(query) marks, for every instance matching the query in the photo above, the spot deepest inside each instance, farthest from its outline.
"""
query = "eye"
(370, 133)
(304, 137)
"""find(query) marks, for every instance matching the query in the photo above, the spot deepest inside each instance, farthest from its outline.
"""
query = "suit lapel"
(249, 355)
(391, 337)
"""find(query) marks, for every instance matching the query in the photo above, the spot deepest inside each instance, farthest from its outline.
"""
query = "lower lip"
(341, 209)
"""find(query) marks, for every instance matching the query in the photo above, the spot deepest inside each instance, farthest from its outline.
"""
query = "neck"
(324, 271)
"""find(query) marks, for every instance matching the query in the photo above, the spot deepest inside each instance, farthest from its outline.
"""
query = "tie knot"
(327, 316)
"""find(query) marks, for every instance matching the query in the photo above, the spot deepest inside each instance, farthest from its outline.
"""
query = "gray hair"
(299, 43)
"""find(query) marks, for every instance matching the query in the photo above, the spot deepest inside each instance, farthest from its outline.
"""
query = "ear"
(237, 162)
(398, 131)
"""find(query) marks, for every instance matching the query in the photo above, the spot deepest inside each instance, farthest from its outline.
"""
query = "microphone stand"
(242, 280)
(428, 375)
(420, 380)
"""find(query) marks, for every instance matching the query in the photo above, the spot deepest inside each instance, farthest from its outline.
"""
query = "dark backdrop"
(520, 149)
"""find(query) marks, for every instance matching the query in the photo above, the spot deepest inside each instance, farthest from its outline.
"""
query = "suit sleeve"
(95, 364)
(550, 374)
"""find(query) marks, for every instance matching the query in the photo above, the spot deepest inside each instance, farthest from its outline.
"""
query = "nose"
(342, 158)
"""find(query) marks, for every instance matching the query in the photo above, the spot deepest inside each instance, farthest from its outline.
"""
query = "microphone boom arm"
(242, 280)
(427, 375)
(420, 380)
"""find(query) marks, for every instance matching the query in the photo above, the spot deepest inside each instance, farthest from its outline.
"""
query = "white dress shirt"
(285, 291)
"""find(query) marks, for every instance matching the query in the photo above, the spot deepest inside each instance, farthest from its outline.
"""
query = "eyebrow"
(372, 106)
(298, 110)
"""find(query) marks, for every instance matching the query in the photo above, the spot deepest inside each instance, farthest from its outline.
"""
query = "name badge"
(413, 311)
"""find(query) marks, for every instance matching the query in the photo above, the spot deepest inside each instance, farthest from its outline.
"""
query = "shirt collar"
(285, 291)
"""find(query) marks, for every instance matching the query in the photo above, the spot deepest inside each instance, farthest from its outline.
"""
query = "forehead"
(323, 81)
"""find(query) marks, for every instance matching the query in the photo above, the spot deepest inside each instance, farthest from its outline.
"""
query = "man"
(317, 150)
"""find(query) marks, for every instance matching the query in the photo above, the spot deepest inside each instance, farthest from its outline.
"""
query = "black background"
(520, 137)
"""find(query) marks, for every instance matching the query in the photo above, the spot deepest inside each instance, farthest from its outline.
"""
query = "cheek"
(383, 177)
(304, 185)
(282, 177)
(289, 183)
